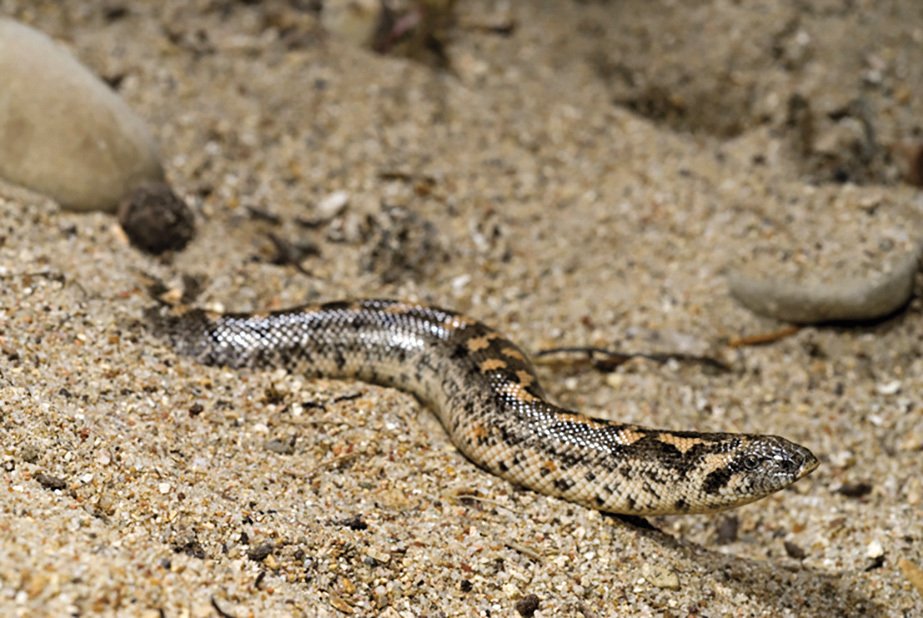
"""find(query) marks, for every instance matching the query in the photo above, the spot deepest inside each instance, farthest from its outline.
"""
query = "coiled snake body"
(487, 396)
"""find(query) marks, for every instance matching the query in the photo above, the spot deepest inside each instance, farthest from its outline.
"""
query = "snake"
(487, 396)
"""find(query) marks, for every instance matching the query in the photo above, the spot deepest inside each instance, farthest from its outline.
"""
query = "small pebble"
(663, 577)
(354, 523)
(155, 219)
(874, 550)
(282, 447)
(794, 551)
(50, 482)
(380, 557)
(332, 205)
(727, 529)
(260, 552)
(855, 490)
(527, 605)
(29, 453)
(888, 388)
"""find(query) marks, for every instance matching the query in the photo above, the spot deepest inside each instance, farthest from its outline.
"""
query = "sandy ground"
(586, 179)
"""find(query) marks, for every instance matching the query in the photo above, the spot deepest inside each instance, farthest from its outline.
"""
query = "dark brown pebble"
(190, 547)
(291, 253)
(50, 482)
(727, 529)
(260, 552)
(527, 605)
(465, 585)
(259, 214)
(794, 551)
(876, 563)
(855, 490)
(219, 610)
(354, 523)
(156, 219)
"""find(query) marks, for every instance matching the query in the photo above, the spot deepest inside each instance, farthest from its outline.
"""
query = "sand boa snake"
(487, 396)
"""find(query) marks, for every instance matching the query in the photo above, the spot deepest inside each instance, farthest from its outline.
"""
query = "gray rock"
(850, 298)
(63, 132)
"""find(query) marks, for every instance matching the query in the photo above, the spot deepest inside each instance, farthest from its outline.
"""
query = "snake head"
(756, 467)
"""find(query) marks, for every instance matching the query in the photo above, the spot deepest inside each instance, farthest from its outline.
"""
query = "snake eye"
(750, 462)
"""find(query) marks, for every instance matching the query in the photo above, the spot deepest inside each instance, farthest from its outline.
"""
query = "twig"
(524, 550)
(289, 254)
(476, 498)
(324, 464)
(220, 611)
(763, 338)
(53, 275)
(612, 359)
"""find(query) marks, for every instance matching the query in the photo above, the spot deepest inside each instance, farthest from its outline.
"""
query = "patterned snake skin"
(487, 396)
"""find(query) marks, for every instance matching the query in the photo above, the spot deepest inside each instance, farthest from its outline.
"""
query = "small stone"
(332, 205)
(379, 556)
(186, 542)
(354, 523)
(727, 529)
(163, 488)
(794, 551)
(874, 550)
(50, 482)
(662, 577)
(527, 605)
(29, 453)
(260, 552)
(339, 603)
(282, 447)
(855, 490)
(65, 133)
(888, 388)
(155, 219)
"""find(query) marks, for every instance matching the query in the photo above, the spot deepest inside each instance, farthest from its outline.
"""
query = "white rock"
(849, 298)
(875, 549)
(63, 132)
(332, 205)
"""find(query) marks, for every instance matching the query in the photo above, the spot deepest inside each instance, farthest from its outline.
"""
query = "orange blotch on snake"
(492, 364)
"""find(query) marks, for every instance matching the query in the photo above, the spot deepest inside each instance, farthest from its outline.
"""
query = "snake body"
(488, 398)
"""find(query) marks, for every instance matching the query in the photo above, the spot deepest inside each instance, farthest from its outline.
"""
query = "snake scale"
(488, 398)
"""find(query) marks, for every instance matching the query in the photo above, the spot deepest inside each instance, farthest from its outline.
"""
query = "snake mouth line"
(810, 464)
